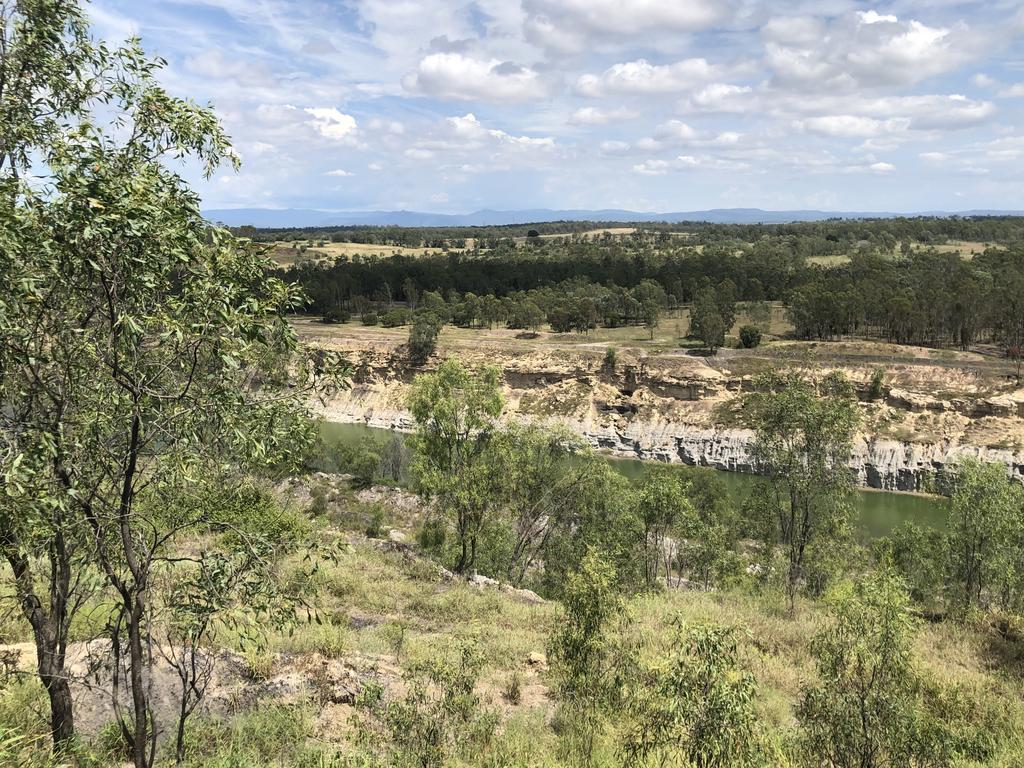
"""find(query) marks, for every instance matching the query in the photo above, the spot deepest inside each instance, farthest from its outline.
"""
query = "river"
(878, 512)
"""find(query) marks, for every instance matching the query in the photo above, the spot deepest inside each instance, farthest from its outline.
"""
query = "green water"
(878, 511)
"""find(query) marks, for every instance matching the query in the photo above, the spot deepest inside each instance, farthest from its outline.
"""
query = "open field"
(295, 252)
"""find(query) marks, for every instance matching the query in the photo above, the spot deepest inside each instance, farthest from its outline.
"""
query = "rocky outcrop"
(881, 463)
(671, 410)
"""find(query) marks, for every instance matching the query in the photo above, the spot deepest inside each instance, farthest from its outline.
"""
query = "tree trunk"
(49, 631)
(62, 720)
(142, 752)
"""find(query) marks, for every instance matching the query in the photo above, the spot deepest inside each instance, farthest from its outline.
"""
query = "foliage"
(750, 336)
(455, 412)
(871, 707)
(439, 718)
(985, 538)
(876, 387)
(143, 352)
(336, 315)
(697, 708)
(804, 434)
(610, 360)
(662, 504)
(426, 327)
(589, 654)
(706, 321)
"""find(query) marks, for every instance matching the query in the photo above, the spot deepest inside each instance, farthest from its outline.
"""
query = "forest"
(885, 279)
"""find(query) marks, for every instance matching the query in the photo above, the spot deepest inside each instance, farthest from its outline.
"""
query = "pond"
(878, 512)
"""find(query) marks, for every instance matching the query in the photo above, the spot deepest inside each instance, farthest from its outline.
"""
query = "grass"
(393, 609)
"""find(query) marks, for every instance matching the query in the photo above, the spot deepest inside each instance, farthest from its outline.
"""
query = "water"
(878, 512)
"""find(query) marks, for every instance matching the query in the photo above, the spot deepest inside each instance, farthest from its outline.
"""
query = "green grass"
(395, 610)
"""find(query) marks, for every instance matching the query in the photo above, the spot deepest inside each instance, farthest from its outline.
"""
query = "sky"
(646, 105)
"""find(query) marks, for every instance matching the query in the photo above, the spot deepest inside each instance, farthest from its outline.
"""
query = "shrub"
(513, 692)
(395, 318)
(369, 318)
(875, 388)
(611, 359)
(336, 315)
(439, 719)
(698, 709)
(750, 336)
(423, 337)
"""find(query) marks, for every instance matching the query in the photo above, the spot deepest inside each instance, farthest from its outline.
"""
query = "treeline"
(816, 238)
(416, 237)
(924, 297)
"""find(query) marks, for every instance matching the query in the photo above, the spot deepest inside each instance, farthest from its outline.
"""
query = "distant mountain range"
(297, 217)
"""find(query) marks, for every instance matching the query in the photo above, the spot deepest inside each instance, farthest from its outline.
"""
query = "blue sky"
(650, 105)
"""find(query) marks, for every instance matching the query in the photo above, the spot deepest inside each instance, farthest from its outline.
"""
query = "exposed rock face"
(667, 410)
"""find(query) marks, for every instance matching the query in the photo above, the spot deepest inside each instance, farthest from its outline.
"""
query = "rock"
(538, 661)
(524, 595)
(480, 581)
(397, 536)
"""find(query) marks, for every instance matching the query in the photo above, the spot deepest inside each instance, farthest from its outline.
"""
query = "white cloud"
(874, 17)
(614, 147)
(416, 153)
(720, 97)
(339, 172)
(572, 26)
(652, 168)
(595, 116)
(868, 50)
(332, 124)
(468, 128)
(458, 77)
(1013, 92)
(882, 167)
(853, 126)
(640, 77)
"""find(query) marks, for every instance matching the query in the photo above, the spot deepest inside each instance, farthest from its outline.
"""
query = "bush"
(875, 388)
(395, 318)
(750, 336)
(611, 359)
(423, 337)
(336, 315)
(369, 318)
(438, 720)
(698, 709)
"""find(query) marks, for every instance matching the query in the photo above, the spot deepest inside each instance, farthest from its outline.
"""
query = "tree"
(750, 336)
(423, 333)
(984, 535)
(525, 314)
(871, 707)
(588, 652)
(662, 503)
(651, 313)
(140, 348)
(539, 483)
(697, 709)
(706, 322)
(803, 442)
(455, 412)
(411, 292)
(46, 63)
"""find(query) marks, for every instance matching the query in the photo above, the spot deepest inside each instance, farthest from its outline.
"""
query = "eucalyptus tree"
(456, 411)
(803, 442)
(141, 351)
